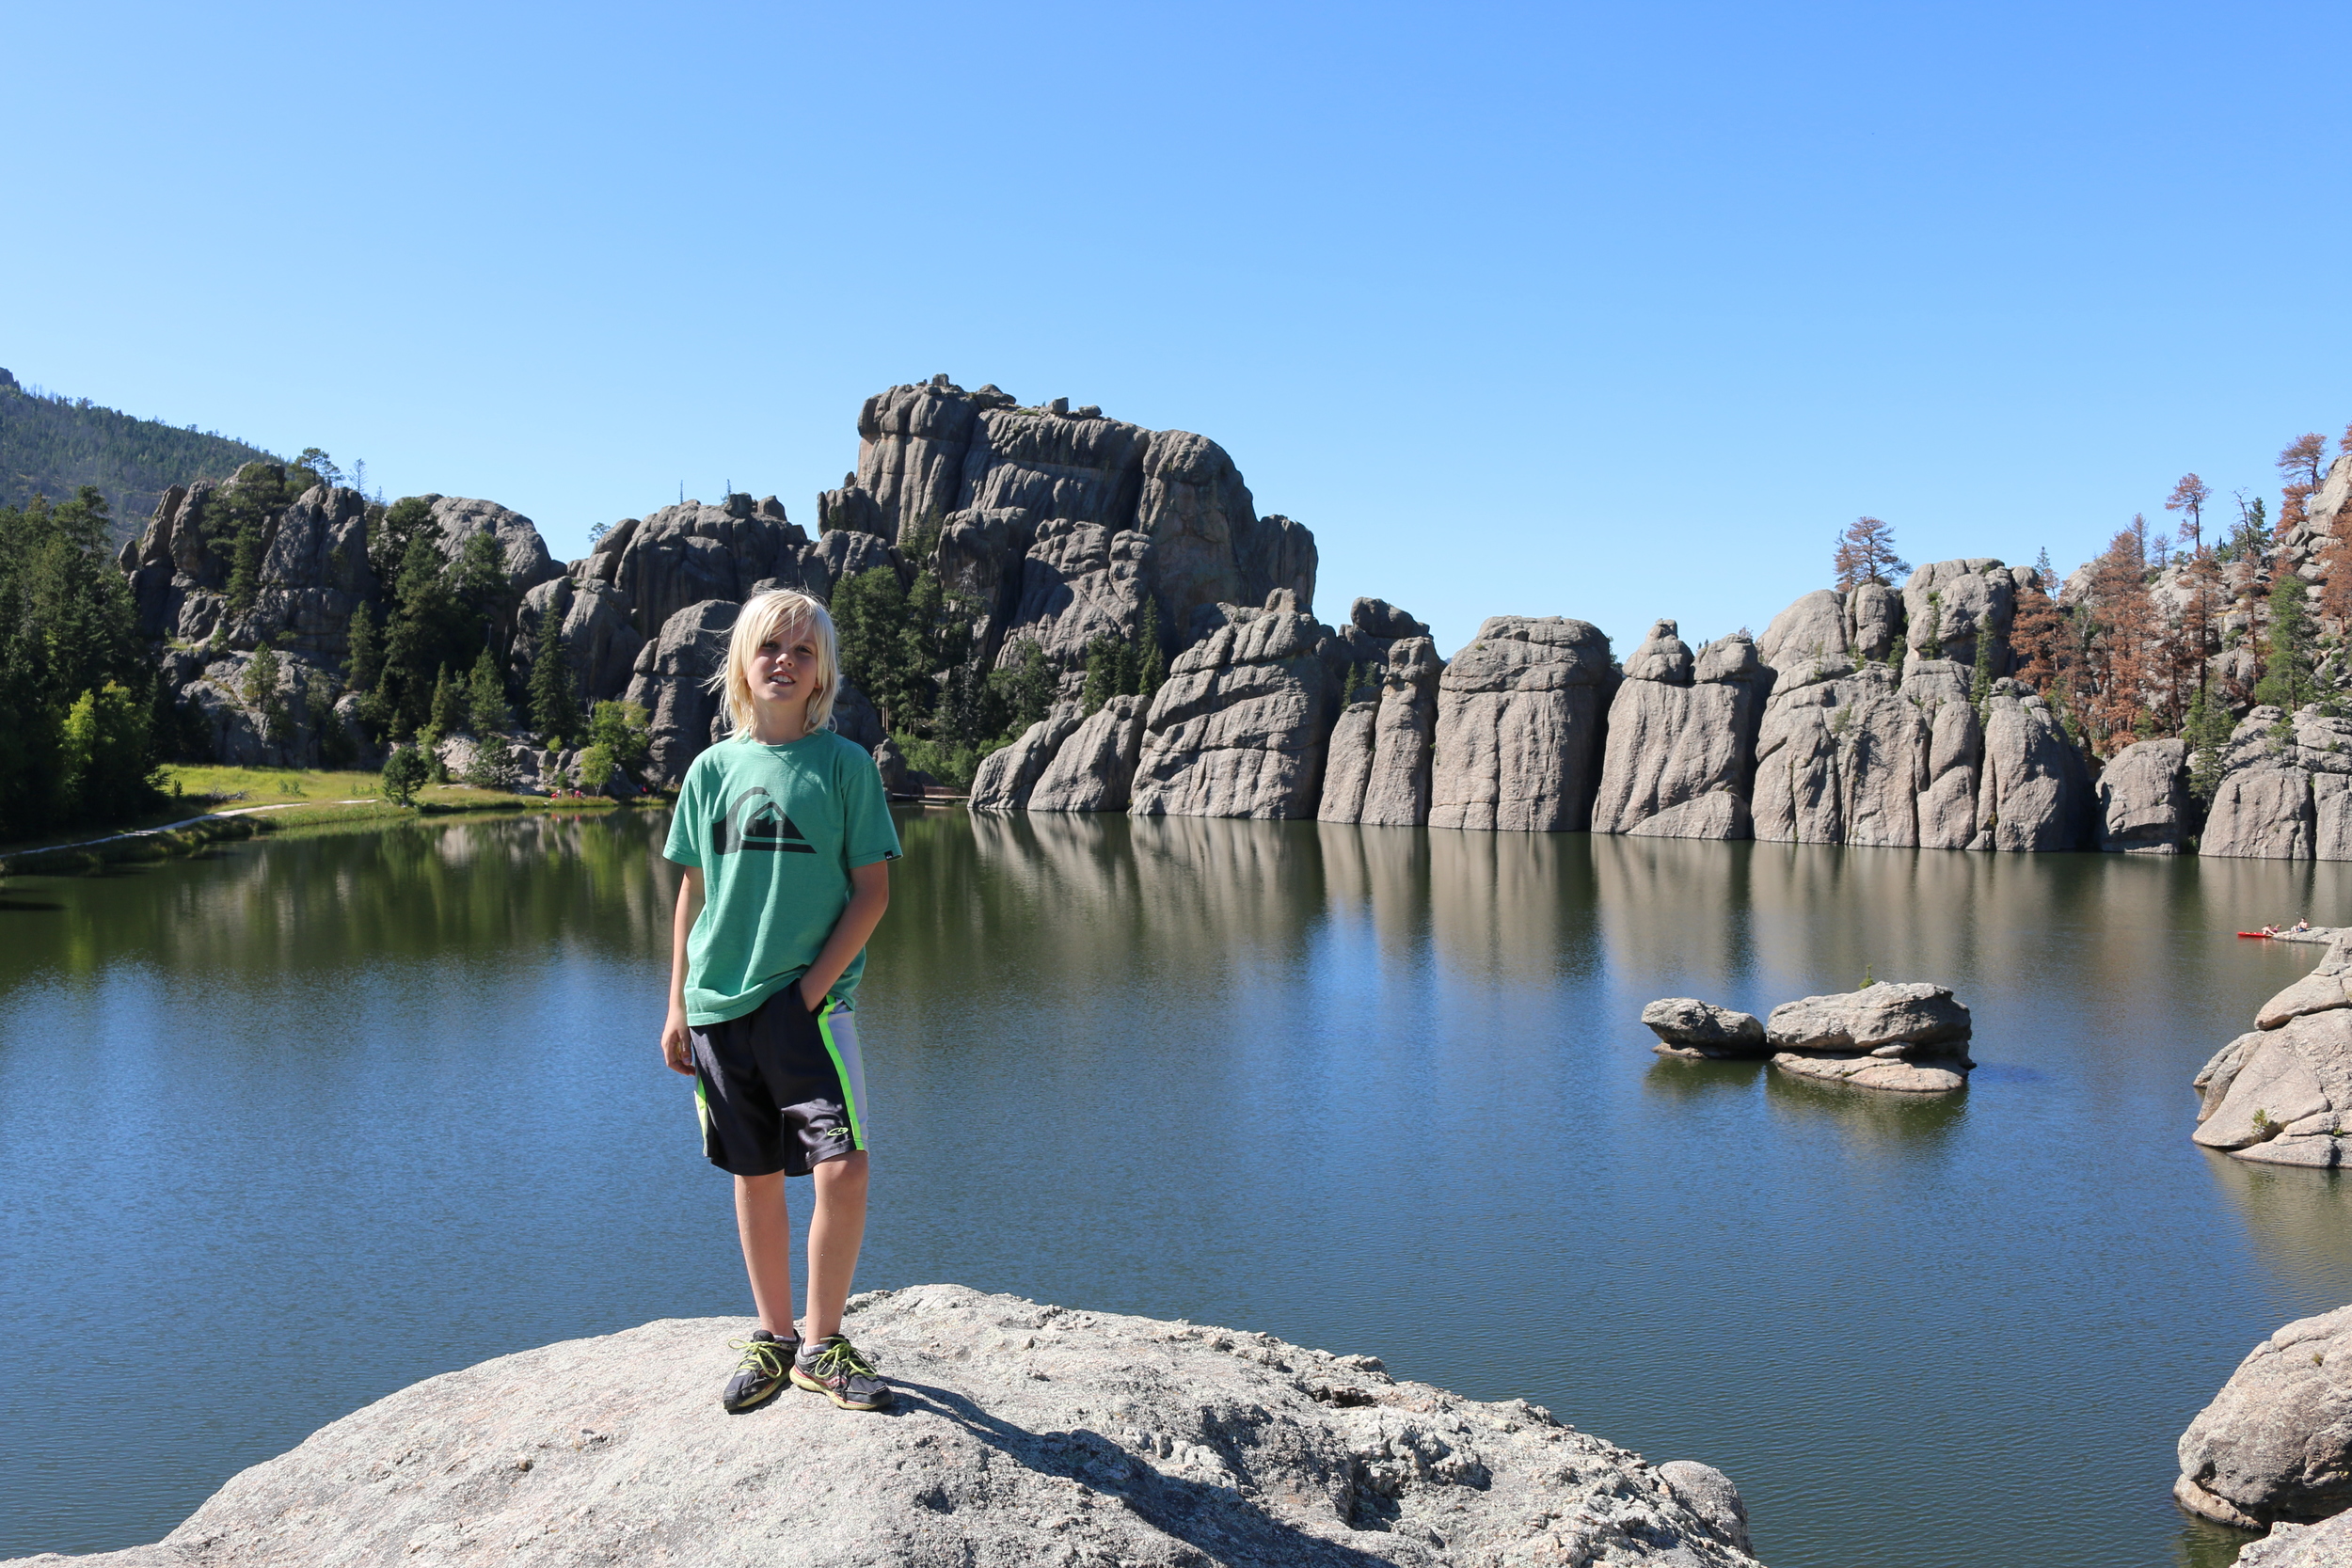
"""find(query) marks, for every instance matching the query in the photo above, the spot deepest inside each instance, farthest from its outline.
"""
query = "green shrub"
(404, 772)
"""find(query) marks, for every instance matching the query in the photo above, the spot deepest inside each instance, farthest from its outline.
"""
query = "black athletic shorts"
(780, 1089)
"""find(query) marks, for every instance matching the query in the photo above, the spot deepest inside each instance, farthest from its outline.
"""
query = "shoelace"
(766, 1357)
(842, 1358)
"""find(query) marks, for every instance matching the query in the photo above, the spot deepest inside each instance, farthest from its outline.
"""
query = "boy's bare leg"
(766, 1232)
(836, 1232)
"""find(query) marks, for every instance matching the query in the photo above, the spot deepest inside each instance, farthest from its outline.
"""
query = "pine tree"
(367, 650)
(1152, 671)
(2286, 680)
(2207, 732)
(2188, 499)
(1866, 553)
(485, 696)
(1980, 687)
(554, 710)
(449, 706)
(2122, 635)
(1102, 683)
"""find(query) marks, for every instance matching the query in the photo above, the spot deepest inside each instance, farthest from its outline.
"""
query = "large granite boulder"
(1008, 775)
(1519, 717)
(1841, 760)
(1905, 1037)
(1240, 726)
(2276, 1443)
(1875, 619)
(1686, 1026)
(2144, 799)
(2326, 1545)
(1058, 524)
(2034, 791)
(2282, 1095)
(236, 729)
(1379, 771)
(690, 553)
(1948, 603)
(2285, 790)
(522, 553)
(1094, 768)
(593, 620)
(1023, 1434)
(672, 681)
(1681, 733)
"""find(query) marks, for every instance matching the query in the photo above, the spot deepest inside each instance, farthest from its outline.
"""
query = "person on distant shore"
(785, 839)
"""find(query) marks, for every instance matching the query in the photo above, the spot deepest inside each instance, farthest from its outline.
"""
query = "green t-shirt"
(776, 830)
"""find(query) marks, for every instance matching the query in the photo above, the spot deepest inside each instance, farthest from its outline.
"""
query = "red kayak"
(2259, 936)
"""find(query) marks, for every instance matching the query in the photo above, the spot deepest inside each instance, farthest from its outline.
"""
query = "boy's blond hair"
(781, 613)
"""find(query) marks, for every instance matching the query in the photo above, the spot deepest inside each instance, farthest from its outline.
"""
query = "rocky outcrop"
(592, 619)
(1059, 523)
(1093, 770)
(314, 571)
(1024, 1434)
(2034, 791)
(1948, 603)
(1378, 771)
(2282, 1095)
(1240, 726)
(1681, 734)
(1910, 1037)
(672, 682)
(1686, 1026)
(690, 553)
(2285, 790)
(2276, 1443)
(1850, 750)
(1008, 776)
(1520, 712)
(2144, 804)
(2288, 1546)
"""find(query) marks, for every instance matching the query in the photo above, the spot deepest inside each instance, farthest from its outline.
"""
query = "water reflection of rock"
(1868, 1120)
(1514, 906)
(1379, 875)
(1684, 1081)
(2298, 1222)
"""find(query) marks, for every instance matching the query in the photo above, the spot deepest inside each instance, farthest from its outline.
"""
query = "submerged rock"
(1024, 1433)
(2276, 1443)
(1685, 1027)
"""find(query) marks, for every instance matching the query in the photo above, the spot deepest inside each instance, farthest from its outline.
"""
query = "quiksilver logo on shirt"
(752, 822)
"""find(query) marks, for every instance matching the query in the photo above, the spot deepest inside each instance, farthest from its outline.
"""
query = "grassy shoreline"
(209, 804)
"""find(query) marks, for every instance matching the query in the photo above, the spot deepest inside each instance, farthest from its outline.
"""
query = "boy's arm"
(675, 1050)
(869, 896)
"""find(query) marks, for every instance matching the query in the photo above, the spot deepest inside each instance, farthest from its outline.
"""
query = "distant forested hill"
(54, 445)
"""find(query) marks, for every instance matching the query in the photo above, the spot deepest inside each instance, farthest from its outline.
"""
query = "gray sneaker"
(760, 1377)
(834, 1368)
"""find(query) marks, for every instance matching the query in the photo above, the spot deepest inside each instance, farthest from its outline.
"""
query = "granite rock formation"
(672, 682)
(2144, 803)
(2285, 790)
(1379, 768)
(1907, 1036)
(2282, 1094)
(1024, 1433)
(690, 553)
(1852, 750)
(2326, 1545)
(1949, 604)
(1520, 712)
(1686, 1026)
(1059, 523)
(2276, 1443)
(1009, 775)
(1093, 770)
(1681, 736)
(1240, 726)
(600, 638)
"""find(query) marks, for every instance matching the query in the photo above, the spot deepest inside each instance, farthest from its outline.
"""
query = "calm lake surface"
(290, 1126)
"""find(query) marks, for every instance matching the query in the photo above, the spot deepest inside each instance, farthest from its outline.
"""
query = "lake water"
(292, 1125)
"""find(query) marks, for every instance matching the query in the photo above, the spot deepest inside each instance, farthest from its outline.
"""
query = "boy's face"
(784, 668)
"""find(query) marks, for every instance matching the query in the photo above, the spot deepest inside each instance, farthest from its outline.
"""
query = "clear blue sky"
(1611, 312)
